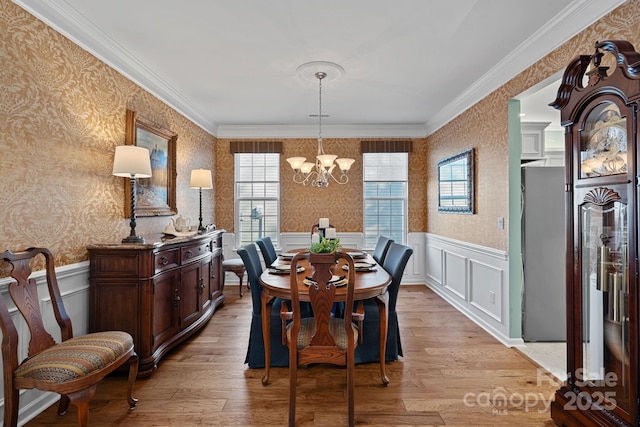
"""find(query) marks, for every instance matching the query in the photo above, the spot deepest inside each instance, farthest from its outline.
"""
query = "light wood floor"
(453, 373)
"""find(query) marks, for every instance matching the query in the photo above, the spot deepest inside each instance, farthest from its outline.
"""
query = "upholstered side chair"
(255, 351)
(268, 250)
(380, 251)
(72, 367)
(395, 262)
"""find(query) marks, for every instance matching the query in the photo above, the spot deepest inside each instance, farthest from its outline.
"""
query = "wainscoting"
(474, 279)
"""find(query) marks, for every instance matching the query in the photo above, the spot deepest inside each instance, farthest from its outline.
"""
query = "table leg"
(267, 303)
(383, 309)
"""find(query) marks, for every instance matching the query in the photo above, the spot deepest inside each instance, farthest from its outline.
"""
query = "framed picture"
(455, 183)
(155, 196)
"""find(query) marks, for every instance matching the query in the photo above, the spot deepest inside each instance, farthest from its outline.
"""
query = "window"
(257, 197)
(385, 196)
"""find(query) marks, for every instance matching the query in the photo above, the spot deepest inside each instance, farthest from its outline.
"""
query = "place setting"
(335, 280)
(361, 266)
(357, 254)
(287, 256)
(284, 269)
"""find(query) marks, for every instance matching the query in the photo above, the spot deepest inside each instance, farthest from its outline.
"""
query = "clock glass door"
(605, 312)
(603, 142)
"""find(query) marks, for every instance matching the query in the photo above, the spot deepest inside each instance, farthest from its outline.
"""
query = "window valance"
(256, 147)
(387, 146)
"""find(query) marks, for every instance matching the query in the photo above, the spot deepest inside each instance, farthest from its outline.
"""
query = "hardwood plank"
(453, 374)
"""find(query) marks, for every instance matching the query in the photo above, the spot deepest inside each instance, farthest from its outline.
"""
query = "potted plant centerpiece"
(323, 256)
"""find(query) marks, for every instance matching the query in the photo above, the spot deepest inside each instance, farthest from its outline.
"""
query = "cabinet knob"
(164, 260)
(189, 253)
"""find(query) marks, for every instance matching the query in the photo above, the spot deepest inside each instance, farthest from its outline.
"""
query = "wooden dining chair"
(268, 250)
(322, 338)
(72, 367)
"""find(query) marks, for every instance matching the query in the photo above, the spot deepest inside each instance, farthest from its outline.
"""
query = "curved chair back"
(268, 250)
(381, 249)
(394, 263)
(251, 259)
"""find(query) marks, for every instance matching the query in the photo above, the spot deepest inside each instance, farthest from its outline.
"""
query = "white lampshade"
(306, 167)
(132, 161)
(345, 164)
(326, 160)
(296, 162)
(201, 178)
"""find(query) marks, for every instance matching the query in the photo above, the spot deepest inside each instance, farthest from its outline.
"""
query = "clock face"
(610, 139)
(606, 153)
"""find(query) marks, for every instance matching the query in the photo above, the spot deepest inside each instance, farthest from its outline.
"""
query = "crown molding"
(573, 19)
(67, 21)
(328, 131)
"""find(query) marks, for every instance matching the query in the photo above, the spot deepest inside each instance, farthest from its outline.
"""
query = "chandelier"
(320, 173)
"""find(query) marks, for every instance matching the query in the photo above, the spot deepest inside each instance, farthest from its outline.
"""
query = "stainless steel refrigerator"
(543, 253)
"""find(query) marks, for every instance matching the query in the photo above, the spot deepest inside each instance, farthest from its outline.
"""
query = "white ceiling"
(230, 66)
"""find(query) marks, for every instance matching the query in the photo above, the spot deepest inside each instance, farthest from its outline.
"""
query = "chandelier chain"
(320, 75)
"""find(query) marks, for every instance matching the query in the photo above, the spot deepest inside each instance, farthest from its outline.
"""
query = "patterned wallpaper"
(62, 112)
(484, 127)
(301, 206)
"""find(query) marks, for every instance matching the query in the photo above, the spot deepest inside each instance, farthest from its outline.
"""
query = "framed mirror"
(156, 195)
(455, 183)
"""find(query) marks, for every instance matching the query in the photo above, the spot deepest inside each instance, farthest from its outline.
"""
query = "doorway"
(541, 228)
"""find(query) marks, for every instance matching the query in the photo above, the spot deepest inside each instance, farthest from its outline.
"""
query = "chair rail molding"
(474, 279)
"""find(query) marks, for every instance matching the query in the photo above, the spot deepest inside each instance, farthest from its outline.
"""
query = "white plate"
(288, 255)
(284, 269)
(364, 266)
(357, 254)
(336, 280)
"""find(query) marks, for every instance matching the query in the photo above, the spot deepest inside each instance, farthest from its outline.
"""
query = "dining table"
(370, 283)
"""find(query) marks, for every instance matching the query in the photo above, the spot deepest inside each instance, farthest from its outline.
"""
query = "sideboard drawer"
(165, 260)
(193, 252)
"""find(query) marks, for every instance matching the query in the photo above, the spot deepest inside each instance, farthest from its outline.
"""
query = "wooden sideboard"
(160, 292)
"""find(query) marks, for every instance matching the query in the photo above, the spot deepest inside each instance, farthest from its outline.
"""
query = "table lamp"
(132, 162)
(201, 178)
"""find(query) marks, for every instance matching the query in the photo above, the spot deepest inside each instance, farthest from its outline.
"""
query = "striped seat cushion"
(76, 357)
(336, 328)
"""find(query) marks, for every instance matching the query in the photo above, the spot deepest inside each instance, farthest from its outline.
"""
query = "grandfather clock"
(599, 111)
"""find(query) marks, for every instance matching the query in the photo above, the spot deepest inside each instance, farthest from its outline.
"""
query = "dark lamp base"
(133, 239)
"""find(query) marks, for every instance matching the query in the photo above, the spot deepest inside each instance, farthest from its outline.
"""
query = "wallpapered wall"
(62, 112)
(484, 126)
(301, 206)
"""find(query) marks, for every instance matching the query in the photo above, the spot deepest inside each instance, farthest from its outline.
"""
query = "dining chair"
(322, 338)
(394, 263)
(255, 350)
(268, 250)
(71, 367)
(380, 251)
